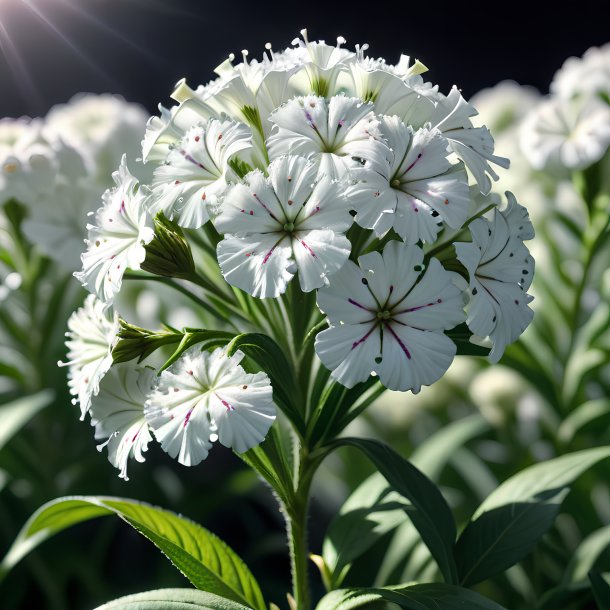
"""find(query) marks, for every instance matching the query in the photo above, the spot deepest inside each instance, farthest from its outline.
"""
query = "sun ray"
(66, 40)
(21, 75)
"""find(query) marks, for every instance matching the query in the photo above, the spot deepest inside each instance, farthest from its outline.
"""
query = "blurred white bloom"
(101, 127)
(410, 187)
(570, 134)
(196, 171)
(333, 132)
(282, 224)
(116, 242)
(117, 412)
(207, 395)
(387, 315)
(589, 75)
(30, 163)
(92, 334)
(501, 271)
(503, 106)
(57, 223)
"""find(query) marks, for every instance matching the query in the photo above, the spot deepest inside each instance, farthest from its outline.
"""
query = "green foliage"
(17, 413)
(507, 525)
(172, 599)
(203, 558)
(430, 596)
(425, 505)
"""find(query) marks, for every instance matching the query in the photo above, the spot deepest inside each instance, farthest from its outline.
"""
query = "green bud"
(168, 254)
(135, 342)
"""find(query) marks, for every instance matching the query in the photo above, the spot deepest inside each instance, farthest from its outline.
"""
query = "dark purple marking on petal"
(355, 344)
(419, 307)
(412, 164)
(404, 348)
(268, 255)
(258, 200)
(191, 159)
(122, 208)
(225, 404)
(188, 417)
(350, 300)
(308, 248)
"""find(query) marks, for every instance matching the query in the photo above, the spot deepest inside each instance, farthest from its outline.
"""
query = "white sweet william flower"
(571, 134)
(372, 80)
(282, 224)
(586, 75)
(117, 413)
(209, 395)
(411, 186)
(501, 270)
(159, 134)
(116, 241)
(92, 334)
(196, 171)
(473, 145)
(387, 315)
(333, 132)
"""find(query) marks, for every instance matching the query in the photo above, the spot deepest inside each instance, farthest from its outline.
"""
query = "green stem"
(296, 526)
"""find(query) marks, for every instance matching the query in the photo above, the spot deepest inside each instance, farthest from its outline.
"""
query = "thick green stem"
(296, 525)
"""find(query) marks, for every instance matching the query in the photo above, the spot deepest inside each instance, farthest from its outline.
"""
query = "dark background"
(140, 48)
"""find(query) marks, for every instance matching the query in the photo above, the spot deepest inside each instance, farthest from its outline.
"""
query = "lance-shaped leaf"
(173, 599)
(508, 524)
(426, 506)
(203, 558)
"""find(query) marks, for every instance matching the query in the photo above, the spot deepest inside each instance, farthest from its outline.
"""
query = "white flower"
(101, 127)
(30, 163)
(501, 270)
(333, 132)
(571, 134)
(196, 171)
(57, 225)
(411, 187)
(208, 395)
(320, 65)
(473, 145)
(387, 316)
(117, 412)
(282, 224)
(504, 105)
(385, 86)
(159, 135)
(116, 241)
(92, 334)
(589, 75)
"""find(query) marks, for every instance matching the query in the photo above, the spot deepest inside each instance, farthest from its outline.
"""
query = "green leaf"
(16, 414)
(584, 414)
(269, 357)
(373, 509)
(428, 596)
(208, 339)
(426, 506)
(507, 525)
(586, 556)
(601, 590)
(502, 536)
(172, 599)
(203, 558)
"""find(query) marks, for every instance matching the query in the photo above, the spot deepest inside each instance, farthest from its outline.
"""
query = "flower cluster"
(353, 174)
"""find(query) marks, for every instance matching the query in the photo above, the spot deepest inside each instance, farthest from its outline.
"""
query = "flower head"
(92, 333)
(387, 315)
(208, 396)
(276, 226)
(116, 241)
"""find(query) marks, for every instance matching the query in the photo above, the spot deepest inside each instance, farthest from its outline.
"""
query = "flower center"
(395, 183)
(383, 315)
(289, 227)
